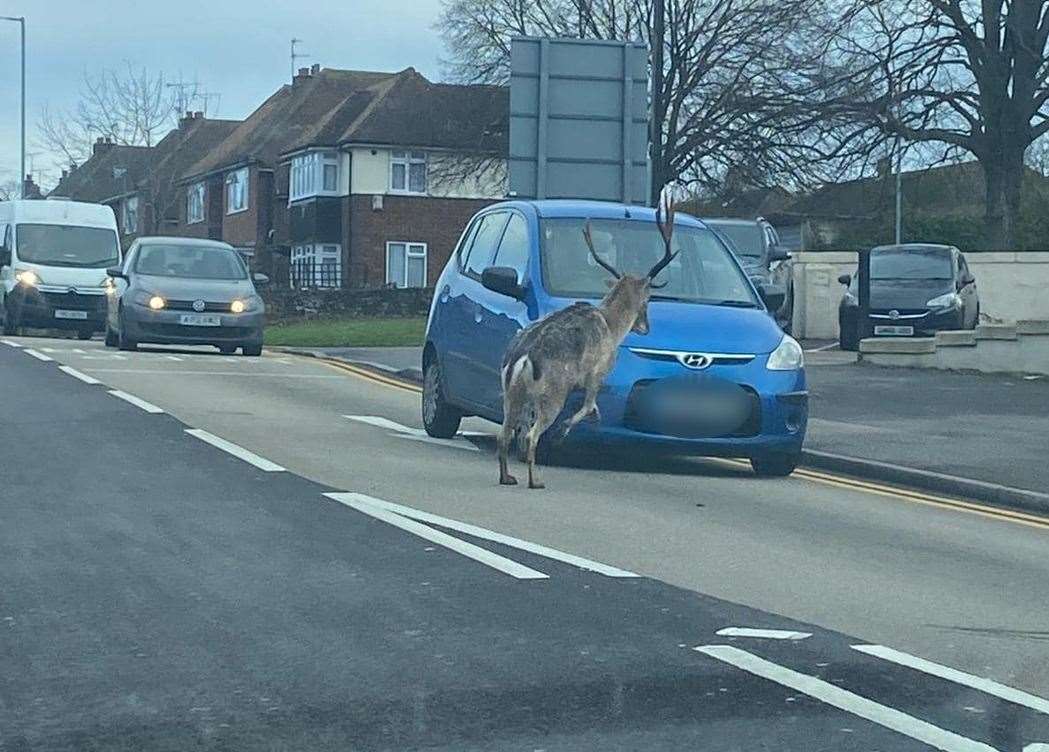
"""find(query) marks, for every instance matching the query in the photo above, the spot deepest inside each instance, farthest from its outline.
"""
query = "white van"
(53, 260)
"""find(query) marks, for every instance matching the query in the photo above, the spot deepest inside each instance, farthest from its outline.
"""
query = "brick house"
(139, 182)
(353, 178)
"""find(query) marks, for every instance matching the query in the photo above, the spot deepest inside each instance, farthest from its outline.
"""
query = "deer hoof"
(508, 480)
(537, 485)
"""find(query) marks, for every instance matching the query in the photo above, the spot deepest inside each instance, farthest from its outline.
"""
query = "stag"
(574, 348)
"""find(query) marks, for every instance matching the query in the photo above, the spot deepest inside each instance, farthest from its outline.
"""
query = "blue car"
(710, 333)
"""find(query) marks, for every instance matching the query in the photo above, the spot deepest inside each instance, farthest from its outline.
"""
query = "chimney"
(315, 69)
(102, 144)
(65, 174)
(30, 189)
(198, 115)
(301, 76)
(884, 167)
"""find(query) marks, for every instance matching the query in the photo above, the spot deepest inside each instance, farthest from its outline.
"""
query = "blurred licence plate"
(70, 314)
(894, 331)
(193, 319)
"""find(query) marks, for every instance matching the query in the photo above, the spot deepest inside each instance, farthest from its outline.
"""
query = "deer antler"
(600, 262)
(665, 222)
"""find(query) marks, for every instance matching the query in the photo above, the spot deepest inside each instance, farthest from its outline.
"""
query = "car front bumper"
(55, 308)
(777, 424)
(924, 326)
(143, 324)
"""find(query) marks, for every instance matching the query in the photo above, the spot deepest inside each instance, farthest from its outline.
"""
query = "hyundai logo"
(697, 361)
(199, 306)
(894, 314)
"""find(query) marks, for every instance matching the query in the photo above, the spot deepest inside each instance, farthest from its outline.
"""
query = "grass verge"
(356, 332)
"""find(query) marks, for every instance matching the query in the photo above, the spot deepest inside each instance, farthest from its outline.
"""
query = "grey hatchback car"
(183, 291)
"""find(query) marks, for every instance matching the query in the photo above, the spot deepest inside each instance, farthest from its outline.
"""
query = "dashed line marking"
(988, 686)
(149, 407)
(469, 550)
(11, 343)
(237, 451)
(766, 634)
(842, 699)
(78, 375)
(480, 532)
(38, 355)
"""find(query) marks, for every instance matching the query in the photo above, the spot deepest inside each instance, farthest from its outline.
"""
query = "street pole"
(656, 41)
(21, 178)
(899, 192)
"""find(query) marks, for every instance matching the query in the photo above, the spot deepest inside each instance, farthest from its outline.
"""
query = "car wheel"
(775, 465)
(111, 337)
(252, 351)
(440, 419)
(227, 349)
(123, 341)
(84, 334)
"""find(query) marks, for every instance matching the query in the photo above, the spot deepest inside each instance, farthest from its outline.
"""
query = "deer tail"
(517, 368)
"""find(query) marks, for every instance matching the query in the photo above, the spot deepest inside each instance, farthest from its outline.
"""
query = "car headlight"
(246, 305)
(788, 356)
(154, 302)
(28, 278)
(946, 301)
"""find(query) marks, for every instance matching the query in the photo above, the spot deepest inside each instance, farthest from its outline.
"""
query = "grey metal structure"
(579, 119)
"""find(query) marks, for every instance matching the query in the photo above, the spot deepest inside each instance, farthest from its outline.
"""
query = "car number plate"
(193, 319)
(70, 314)
(894, 331)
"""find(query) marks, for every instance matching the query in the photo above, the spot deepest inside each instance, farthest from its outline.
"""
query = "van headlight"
(788, 356)
(946, 302)
(28, 277)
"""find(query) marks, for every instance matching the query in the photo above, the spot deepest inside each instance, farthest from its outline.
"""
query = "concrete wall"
(1013, 287)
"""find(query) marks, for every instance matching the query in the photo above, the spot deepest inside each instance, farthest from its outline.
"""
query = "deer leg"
(545, 415)
(588, 408)
(506, 437)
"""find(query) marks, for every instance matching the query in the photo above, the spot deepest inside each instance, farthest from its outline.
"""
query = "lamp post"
(21, 178)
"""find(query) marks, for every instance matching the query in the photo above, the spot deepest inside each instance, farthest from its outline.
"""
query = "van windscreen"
(67, 245)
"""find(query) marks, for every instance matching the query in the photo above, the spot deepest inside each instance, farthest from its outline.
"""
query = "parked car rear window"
(747, 239)
(911, 263)
(703, 272)
(67, 245)
(197, 262)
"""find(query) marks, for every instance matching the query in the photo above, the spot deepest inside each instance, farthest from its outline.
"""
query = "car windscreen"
(703, 271)
(747, 240)
(67, 245)
(193, 261)
(911, 263)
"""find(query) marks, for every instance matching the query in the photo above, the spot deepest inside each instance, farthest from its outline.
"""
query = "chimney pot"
(315, 69)
(198, 115)
(304, 71)
(189, 114)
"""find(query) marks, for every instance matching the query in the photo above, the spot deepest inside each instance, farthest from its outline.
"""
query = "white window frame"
(234, 179)
(412, 249)
(306, 175)
(318, 253)
(195, 190)
(407, 158)
(129, 227)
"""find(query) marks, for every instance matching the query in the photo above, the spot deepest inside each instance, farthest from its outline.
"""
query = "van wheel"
(227, 349)
(111, 337)
(440, 419)
(775, 464)
(10, 328)
(252, 351)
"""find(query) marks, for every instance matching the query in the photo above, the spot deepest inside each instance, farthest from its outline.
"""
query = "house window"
(237, 191)
(130, 215)
(408, 172)
(314, 173)
(316, 266)
(406, 264)
(195, 203)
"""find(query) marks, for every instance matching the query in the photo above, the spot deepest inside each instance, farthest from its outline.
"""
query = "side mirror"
(778, 253)
(115, 272)
(966, 280)
(503, 280)
(5, 257)
(773, 295)
(260, 279)
(845, 279)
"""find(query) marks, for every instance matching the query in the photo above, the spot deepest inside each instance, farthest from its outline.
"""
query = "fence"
(310, 274)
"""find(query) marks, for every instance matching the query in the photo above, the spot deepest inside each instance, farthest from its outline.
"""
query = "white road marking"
(417, 434)
(469, 550)
(78, 351)
(1037, 747)
(77, 375)
(958, 677)
(10, 343)
(480, 532)
(149, 407)
(49, 349)
(237, 451)
(842, 699)
(37, 355)
(453, 443)
(153, 372)
(175, 358)
(768, 634)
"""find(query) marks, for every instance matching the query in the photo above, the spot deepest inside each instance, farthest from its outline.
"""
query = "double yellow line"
(815, 476)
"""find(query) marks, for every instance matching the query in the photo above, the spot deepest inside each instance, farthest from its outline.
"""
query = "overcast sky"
(237, 48)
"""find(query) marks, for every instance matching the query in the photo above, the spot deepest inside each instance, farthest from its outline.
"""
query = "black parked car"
(917, 289)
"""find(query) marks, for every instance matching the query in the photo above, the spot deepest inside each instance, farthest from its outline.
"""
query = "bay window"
(314, 173)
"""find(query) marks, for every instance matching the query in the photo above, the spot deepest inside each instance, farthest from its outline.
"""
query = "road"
(163, 592)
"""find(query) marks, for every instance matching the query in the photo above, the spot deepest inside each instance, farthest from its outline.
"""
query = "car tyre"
(84, 334)
(440, 419)
(775, 464)
(227, 349)
(252, 351)
(124, 342)
(111, 337)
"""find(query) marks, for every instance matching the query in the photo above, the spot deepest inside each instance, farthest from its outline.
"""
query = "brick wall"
(289, 305)
(438, 222)
(241, 229)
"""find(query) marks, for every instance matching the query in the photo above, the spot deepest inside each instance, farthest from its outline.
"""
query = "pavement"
(970, 435)
(214, 552)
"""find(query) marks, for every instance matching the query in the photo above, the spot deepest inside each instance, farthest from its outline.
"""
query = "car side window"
(482, 249)
(514, 247)
(464, 246)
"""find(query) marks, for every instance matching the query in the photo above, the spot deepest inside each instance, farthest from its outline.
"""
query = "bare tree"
(9, 190)
(967, 77)
(745, 85)
(130, 106)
